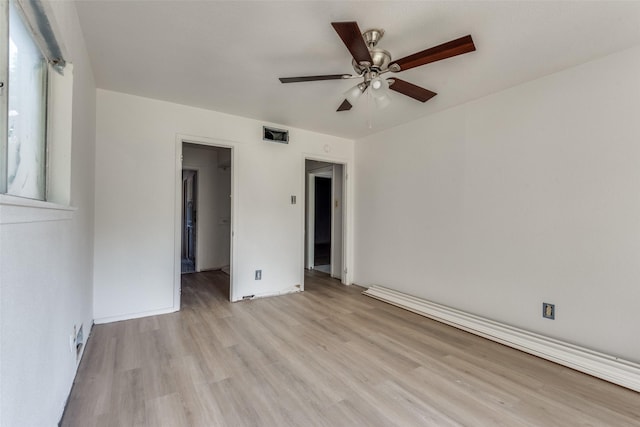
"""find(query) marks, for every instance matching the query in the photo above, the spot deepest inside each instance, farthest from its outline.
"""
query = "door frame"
(347, 213)
(212, 142)
(334, 221)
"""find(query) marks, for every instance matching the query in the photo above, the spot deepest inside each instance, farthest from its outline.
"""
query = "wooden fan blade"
(345, 106)
(314, 78)
(351, 36)
(409, 89)
(443, 51)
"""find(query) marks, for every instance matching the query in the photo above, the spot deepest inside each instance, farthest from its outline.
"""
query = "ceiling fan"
(370, 63)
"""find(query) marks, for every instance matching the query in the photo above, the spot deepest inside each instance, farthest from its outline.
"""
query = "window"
(27, 102)
(27, 61)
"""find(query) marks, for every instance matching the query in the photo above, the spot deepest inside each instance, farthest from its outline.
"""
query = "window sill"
(16, 210)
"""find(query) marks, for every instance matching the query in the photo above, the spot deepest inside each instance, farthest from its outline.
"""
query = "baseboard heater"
(600, 365)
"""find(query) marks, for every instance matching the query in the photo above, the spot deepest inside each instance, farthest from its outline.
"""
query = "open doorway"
(324, 234)
(206, 210)
(322, 224)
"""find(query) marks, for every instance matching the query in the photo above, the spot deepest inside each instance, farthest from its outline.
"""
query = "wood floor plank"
(127, 406)
(165, 410)
(355, 411)
(328, 356)
(445, 392)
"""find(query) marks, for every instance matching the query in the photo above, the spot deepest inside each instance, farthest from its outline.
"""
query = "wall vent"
(275, 135)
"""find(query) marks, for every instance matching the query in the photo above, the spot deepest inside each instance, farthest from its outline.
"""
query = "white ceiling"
(227, 55)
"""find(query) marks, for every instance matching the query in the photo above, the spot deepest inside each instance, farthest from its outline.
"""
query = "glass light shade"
(380, 92)
(382, 100)
(354, 93)
(379, 85)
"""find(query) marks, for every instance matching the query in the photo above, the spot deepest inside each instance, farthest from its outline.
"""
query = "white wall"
(525, 196)
(213, 206)
(136, 210)
(223, 203)
(46, 267)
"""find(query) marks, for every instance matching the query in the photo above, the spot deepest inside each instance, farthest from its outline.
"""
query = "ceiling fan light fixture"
(382, 101)
(379, 88)
(379, 85)
(355, 92)
(380, 92)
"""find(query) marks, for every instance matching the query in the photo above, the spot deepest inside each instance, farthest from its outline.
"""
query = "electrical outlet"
(548, 310)
(258, 274)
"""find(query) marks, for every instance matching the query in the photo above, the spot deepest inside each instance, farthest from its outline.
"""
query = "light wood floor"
(326, 357)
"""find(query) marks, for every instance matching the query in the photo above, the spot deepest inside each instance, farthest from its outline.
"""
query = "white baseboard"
(135, 315)
(600, 365)
(270, 294)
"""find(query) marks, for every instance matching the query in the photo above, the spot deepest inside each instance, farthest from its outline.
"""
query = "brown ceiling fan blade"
(409, 89)
(345, 106)
(443, 51)
(351, 35)
(314, 78)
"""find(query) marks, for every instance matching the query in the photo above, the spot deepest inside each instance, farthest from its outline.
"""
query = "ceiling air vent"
(275, 135)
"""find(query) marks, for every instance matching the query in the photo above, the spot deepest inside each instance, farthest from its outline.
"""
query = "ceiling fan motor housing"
(380, 57)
